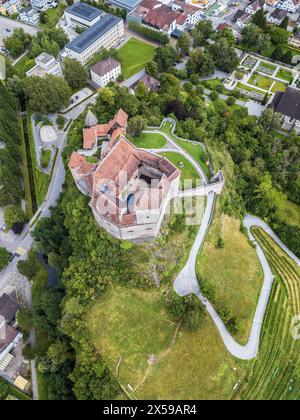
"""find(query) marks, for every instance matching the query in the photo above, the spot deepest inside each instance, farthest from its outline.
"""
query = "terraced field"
(276, 371)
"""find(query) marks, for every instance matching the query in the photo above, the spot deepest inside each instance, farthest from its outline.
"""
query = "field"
(260, 81)
(134, 55)
(149, 141)
(188, 171)
(234, 272)
(127, 326)
(275, 374)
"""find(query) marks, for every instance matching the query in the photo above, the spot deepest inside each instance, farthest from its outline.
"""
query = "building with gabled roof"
(287, 104)
(129, 188)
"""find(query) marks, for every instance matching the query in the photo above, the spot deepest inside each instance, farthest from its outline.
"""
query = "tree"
(184, 43)
(165, 57)
(17, 43)
(202, 32)
(3, 389)
(279, 36)
(269, 120)
(152, 68)
(29, 267)
(136, 125)
(200, 63)
(74, 72)
(259, 19)
(15, 87)
(287, 57)
(224, 55)
(47, 95)
(12, 215)
(4, 258)
(284, 23)
(254, 38)
(277, 54)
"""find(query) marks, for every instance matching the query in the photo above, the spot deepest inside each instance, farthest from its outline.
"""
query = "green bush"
(12, 215)
(149, 33)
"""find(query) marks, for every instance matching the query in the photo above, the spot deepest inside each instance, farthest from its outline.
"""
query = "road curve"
(187, 283)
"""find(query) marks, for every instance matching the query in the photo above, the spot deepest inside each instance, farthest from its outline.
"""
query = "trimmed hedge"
(149, 33)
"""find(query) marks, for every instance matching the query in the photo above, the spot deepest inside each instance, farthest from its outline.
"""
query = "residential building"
(43, 5)
(45, 64)
(163, 18)
(254, 6)
(222, 26)
(272, 3)
(241, 18)
(105, 71)
(287, 104)
(291, 6)
(201, 4)
(107, 33)
(150, 82)
(8, 308)
(295, 40)
(30, 16)
(193, 13)
(277, 16)
(130, 189)
(82, 15)
(292, 25)
(10, 8)
(9, 339)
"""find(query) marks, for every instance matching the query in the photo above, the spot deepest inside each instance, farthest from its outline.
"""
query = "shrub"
(230, 101)
(213, 95)
(13, 215)
(149, 33)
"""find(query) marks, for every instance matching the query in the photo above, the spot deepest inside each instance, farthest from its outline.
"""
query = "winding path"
(187, 283)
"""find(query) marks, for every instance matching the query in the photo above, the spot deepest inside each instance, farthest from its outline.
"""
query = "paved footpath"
(187, 283)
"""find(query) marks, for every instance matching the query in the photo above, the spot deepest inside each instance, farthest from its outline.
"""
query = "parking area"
(7, 26)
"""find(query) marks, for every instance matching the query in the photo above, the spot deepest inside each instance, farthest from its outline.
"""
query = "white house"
(45, 64)
(291, 6)
(107, 33)
(43, 5)
(105, 71)
(277, 16)
(30, 16)
(253, 7)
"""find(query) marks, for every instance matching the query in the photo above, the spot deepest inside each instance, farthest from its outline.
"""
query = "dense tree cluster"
(149, 33)
(10, 174)
(74, 72)
(47, 95)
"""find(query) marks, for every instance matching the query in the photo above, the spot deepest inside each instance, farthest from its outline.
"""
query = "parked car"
(3, 228)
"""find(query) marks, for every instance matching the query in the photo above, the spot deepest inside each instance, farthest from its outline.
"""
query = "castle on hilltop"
(129, 188)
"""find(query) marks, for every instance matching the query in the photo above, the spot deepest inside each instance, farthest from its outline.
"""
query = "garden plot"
(249, 62)
(260, 81)
(266, 68)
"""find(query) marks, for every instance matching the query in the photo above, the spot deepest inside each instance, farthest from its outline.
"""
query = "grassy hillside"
(232, 272)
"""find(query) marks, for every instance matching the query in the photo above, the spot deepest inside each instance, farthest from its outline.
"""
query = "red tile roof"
(161, 18)
(91, 134)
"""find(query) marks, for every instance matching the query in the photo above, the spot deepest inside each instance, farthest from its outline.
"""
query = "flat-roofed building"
(82, 15)
(45, 64)
(105, 71)
(107, 33)
(128, 5)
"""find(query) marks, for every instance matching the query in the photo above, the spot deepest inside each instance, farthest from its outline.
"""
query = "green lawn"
(279, 86)
(150, 141)
(17, 393)
(249, 88)
(188, 171)
(127, 325)
(234, 271)
(284, 74)
(45, 158)
(52, 16)
(266, 65)
(134, 55)
(260, 81)
(195, 150)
